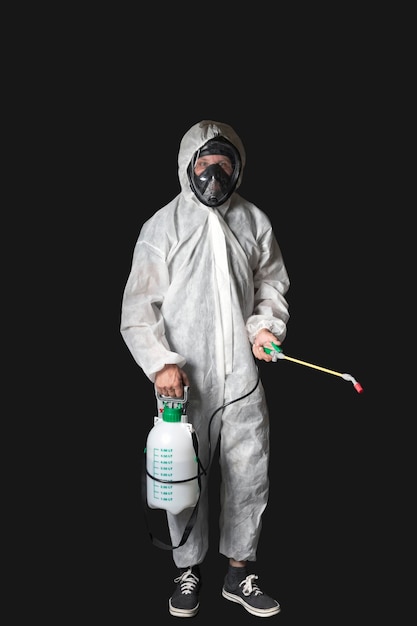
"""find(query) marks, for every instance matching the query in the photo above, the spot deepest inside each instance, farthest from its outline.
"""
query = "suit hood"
(194, 139)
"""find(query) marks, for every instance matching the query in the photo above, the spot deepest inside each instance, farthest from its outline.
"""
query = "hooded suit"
(203, 281)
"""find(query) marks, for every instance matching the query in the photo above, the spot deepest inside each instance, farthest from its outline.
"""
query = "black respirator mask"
(214, 186)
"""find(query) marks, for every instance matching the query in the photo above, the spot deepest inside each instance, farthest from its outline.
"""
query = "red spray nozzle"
(354, 382)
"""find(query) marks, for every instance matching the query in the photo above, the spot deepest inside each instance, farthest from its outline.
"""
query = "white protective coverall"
(203, 282)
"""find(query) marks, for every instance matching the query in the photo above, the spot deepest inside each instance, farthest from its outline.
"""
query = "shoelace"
(249, 586)
(188, 581)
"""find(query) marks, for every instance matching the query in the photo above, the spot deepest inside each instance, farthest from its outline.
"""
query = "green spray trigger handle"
(276, 348)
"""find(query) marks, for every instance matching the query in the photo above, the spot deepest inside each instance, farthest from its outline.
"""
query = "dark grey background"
(313, 143)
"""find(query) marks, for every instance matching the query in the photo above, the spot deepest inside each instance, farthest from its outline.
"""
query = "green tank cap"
(172, 414)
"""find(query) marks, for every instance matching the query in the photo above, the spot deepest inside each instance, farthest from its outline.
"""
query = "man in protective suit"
(205, 295)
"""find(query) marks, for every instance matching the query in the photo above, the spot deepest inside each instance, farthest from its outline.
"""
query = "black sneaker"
(184, 601)
(248, 594)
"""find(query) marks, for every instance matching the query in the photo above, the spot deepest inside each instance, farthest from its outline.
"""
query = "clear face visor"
(216, 182)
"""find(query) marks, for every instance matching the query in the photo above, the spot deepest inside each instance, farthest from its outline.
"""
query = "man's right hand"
(170, 381)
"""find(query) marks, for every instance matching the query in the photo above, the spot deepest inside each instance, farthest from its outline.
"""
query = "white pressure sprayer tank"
(171, 460)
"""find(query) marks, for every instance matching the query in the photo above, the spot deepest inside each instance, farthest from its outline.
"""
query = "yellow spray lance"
(277, 353)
